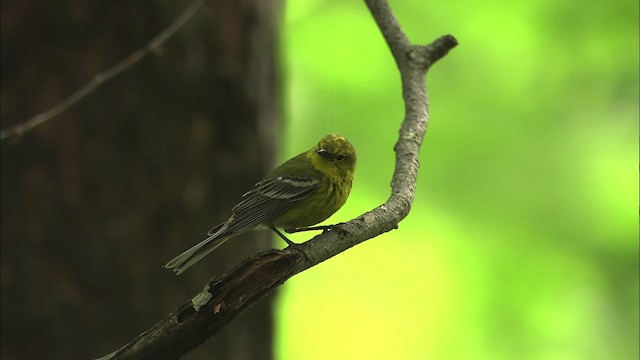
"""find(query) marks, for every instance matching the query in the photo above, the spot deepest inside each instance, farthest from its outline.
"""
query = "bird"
(303, 191)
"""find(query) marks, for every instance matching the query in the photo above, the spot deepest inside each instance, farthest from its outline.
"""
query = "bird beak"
(324, 153)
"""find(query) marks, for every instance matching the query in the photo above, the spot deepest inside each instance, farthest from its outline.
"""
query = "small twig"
(20, 129)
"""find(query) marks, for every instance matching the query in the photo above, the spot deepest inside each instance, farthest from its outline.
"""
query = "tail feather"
(185, 260)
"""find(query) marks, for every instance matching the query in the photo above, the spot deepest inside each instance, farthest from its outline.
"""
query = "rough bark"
(94, 202)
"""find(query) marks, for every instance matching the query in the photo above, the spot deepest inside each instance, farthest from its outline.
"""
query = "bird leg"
(311, 228)
(294, 246)
(291, 243)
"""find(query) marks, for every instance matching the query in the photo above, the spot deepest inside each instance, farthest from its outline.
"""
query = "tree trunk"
(95, 201)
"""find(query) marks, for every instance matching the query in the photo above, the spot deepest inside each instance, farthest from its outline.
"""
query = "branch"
(20, 129)
(225, 298)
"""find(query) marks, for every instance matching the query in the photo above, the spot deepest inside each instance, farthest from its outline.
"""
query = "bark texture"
(95, 201)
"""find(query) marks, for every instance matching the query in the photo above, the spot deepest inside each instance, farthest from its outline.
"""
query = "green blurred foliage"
(523, 239)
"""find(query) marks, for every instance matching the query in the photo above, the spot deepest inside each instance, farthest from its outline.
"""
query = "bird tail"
(185, 260)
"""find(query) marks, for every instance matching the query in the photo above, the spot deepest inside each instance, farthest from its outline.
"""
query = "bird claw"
(312, 228)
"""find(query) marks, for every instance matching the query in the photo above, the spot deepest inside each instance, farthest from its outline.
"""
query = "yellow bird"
(303, 191)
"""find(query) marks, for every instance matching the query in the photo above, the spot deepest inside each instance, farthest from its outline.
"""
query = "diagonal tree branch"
(228, 296)
(20, 129)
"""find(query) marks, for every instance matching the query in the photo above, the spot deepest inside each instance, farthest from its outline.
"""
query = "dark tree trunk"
(97, 200)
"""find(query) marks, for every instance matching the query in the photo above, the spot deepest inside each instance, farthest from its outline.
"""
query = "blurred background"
(523, 239)
(522, 242)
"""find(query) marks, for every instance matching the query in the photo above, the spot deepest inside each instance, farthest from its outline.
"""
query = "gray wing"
(267, 200)
(270, 198)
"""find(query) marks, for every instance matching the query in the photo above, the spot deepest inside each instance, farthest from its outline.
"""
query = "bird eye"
(324, 153)
(340, 157)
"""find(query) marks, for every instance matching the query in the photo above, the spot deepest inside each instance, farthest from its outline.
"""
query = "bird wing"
(270, 198)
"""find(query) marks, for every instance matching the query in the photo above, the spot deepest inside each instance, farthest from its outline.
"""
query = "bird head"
(335, 154)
